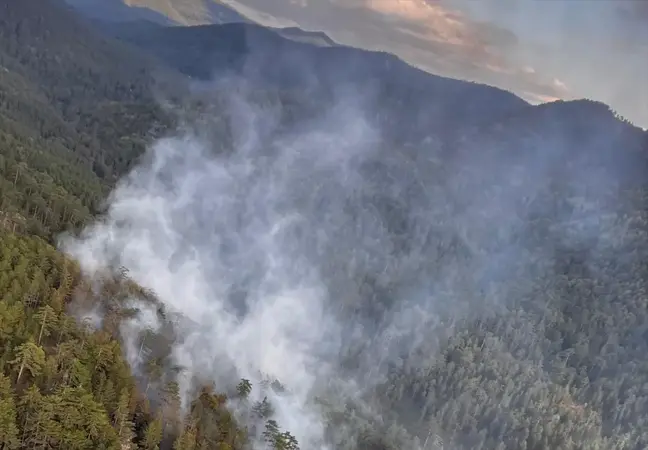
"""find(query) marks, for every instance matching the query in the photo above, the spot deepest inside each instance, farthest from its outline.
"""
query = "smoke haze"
(316, 255)
(234, 242)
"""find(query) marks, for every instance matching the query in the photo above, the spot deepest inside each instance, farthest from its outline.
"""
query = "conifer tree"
(8, 415)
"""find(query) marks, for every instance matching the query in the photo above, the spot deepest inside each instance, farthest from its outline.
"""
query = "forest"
(561, 365)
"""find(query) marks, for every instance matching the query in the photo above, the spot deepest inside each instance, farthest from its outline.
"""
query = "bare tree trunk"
(22, 367)
(40, 334)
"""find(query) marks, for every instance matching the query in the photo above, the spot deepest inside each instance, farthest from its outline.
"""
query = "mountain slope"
(177, 12)
(317, 38)
(118, 11)
(414, 104)
(75, 110)
(59, 81)
(531, 218)
(62, 62)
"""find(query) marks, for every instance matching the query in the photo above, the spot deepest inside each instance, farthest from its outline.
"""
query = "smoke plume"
(312, 252)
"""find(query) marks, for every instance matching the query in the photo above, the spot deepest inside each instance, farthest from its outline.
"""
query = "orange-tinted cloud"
(535, 98)
(477, 50)
(439, 23)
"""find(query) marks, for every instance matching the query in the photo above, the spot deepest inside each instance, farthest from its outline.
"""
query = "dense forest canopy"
(322, 247)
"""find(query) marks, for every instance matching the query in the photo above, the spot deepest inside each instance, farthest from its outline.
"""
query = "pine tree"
(29, 356)
(170, 409)
(244, 388)
(47, 319)
(263, 409)
(122, 423)
(187, 439)
(153, 435)
(8, 426)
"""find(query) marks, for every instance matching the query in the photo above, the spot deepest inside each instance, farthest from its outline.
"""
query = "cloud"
(480, 46)
(534, 98)
(598, 50)
(454, 34)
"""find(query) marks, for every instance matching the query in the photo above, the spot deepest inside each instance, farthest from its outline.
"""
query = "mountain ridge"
(169, 12)
(263, 55)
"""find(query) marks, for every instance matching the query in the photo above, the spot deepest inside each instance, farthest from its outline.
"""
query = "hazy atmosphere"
(542, 50)
(315, 255)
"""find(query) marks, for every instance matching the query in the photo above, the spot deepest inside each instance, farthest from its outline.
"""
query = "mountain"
(309, 37)
(171, 12)
(414, 104)
(76, 110)
(453, 267)
(58, 81)
(118, 11)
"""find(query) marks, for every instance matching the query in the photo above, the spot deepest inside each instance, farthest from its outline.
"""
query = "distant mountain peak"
(318, 38)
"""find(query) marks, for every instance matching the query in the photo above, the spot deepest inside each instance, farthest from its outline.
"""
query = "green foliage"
(75, 111)
(277, 439)
(66, 386)
(8, 427)
(244, 388)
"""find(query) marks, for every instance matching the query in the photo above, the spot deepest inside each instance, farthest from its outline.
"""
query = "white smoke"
(195, 226)
(268, 247)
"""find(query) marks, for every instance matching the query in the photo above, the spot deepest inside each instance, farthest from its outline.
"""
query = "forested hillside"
(410, 103)
(521, 229)
(65, 383)
(76, 110)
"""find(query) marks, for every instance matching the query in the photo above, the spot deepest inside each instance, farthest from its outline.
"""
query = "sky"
(542, 50)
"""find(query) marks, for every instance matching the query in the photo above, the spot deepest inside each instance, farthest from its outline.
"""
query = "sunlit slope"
(177, 12)
(75, 110)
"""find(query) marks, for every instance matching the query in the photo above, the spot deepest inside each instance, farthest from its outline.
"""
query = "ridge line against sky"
(542, 50)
